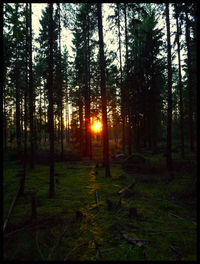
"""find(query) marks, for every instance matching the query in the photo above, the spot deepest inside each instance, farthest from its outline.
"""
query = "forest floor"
(156, 219)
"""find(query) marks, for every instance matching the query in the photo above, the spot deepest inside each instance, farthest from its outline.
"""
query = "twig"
(58, 241)
(136, 241)
(37, 224)
(173, 248)
(93, 207)
(177, 216)
(11, 207)
(38, 247)
(75, 248)
(126, 188)
(161, 232)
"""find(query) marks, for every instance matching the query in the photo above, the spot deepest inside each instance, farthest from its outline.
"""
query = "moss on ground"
(167, 227)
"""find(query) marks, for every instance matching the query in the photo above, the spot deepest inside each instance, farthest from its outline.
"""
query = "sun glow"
(96, 126)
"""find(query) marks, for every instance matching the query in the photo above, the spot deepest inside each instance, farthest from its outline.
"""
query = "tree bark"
(121, 87)
(50, 90)
(189, 83)
(17, 94)
(81, 122)
(31, 106)
(180, 87)
(87, 93)
(169, 109)
(61, 96)
(129, 134)
(103, 94)
(18, 132)
(25, 110)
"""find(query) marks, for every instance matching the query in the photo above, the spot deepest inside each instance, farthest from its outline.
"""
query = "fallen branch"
(161, 232)
(130, 186)
(134, 241)
(36, 224)
(58, 241)
(38, 247)
(174, 249)
(75, 248)
(177, 216)
(95, 206)
(137, 242)
(11, 207)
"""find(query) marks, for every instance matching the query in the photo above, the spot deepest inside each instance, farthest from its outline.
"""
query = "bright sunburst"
(96, 126)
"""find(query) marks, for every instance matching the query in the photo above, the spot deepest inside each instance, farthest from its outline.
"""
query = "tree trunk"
(45, 119)
(31, 107)
(121, 87)
(40, 113)
(180, 87)
(67, 115)
(103, 93)
(81, 124)
(50, 90)
(189, 83)
(25, 110)
(169, 109)
(18, 133)
(17, 92)
(129, 134)
(61, 96)
(87, 93)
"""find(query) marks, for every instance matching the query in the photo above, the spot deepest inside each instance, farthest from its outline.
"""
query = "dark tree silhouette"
(103, 93)
(50, 109)
(169, 109)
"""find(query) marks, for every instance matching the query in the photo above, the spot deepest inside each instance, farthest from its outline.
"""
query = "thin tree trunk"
(4, 123)
(81, 124)
(87, 93)
(169, 109)
(188, 42)
(31, 110)
(17, 94)
(129, 134)
(45, 119)
(25, 110)
(4, 114)
(180, 88)
(18, 134)
(50, 89)
(40, 113)
(61, 96)
(67, 116)
(103, 94)
(121, 87)
(89, 132)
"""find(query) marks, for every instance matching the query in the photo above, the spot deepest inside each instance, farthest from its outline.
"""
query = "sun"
(96, 126)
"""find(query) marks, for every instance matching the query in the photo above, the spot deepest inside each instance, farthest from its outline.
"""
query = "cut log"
(134, 241)
(130, 186)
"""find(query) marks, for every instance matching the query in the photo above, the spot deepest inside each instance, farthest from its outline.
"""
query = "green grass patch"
(97, 235)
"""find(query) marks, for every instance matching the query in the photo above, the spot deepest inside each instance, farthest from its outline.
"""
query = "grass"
(168, 227)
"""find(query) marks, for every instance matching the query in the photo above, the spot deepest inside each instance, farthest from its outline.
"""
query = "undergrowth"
(166, 227)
